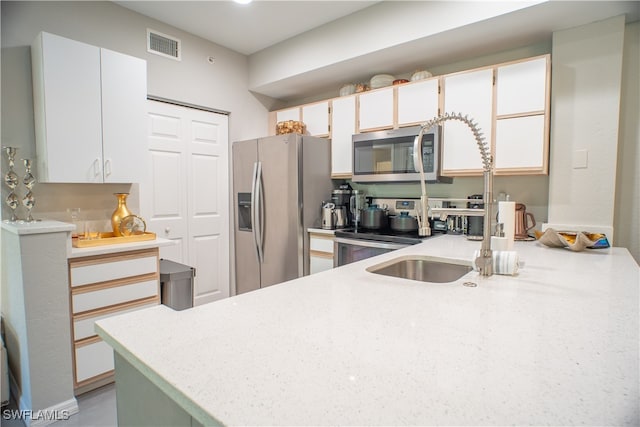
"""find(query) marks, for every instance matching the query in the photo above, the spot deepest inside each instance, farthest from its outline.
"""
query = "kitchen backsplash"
(95, 201)
(530, 190)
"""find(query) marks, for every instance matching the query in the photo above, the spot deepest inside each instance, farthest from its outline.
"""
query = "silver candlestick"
(29, 181)
(11, 181)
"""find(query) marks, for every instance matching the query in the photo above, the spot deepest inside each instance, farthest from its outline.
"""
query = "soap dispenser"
(498, 241)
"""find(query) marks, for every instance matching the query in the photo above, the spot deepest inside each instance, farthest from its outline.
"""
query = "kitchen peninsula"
(556, 344)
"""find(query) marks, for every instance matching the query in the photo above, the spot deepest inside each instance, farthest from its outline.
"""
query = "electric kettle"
(328, 216)
(340, 214)
(524, 222)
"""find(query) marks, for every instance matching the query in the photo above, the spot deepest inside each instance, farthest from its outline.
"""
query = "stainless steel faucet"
(484, 262)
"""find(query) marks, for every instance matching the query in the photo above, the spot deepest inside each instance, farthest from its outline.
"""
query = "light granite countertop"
(120, 247)
(558, 344)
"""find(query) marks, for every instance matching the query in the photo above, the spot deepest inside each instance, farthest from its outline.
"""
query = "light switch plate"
(580, 159)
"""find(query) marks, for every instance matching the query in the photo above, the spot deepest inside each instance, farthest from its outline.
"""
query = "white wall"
(381, 26)
(585, 107)
(222, 86)
(627, 201)
(35, 308)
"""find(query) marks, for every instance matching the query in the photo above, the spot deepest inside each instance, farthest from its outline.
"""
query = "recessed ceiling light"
(243, 1)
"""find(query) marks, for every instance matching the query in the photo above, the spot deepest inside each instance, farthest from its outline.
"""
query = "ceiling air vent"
(162, 44)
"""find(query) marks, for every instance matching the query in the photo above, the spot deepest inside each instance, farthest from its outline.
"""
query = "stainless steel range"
(355, 244)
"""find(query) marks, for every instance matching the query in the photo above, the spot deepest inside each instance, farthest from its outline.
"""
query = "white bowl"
(381, 80)
(420, 75)
(347, 89)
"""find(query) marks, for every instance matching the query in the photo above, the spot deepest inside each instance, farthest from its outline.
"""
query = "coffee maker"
(340, 198)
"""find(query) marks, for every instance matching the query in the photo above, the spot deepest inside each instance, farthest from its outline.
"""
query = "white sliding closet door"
(186, 195)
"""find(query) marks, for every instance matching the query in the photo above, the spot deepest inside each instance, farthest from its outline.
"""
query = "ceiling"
(246, 28)
(260, 27)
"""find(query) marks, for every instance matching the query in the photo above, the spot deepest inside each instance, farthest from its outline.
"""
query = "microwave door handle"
(417, 156)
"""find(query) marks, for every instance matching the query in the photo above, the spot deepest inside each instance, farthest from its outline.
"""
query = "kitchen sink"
(423, 268)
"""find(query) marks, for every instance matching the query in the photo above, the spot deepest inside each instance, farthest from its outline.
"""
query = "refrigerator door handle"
(259, 213)
(254, 209)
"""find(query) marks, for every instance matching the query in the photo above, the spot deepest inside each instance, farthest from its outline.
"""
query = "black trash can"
(176, 284)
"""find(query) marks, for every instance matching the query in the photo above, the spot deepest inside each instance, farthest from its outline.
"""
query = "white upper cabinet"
(375, 110)
(88, 101)
(469, 93)
(288, 114)
(343, 126)
(67, 109)
(521, 87)
(520, 143)
(522, 117)
(124, 134)
(417, 102)
(509, 102)
(316, 118)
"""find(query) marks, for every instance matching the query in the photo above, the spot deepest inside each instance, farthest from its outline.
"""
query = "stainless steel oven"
(351, 245)
(346, 250)
(355, 244)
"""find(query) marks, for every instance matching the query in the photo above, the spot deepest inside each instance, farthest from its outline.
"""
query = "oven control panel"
(395, 206)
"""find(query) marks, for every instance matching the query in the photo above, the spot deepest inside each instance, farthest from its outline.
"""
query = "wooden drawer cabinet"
(320, 252)
(93, 359)
(119, 294)
(83, 323)
(106, 269)
(102, 286)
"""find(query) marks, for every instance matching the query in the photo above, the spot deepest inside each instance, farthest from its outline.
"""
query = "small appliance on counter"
(341, 197)
(524, 222)
(333, 216)
(475, 224)
(356, 204)
(327, 217)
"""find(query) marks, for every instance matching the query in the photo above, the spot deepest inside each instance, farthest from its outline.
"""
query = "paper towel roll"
(504, 262)
(507, 216)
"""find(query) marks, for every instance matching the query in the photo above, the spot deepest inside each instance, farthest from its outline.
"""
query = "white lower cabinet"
(83, 324)
(121, 294)
(92, 360)
(320, 251)
(102, 286)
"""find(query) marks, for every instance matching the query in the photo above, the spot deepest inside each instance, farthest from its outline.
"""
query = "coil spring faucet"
(484, 262)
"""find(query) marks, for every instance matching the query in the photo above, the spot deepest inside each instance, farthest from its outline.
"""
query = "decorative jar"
(121, 212)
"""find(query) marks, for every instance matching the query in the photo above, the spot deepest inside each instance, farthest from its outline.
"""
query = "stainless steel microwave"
(387, 156)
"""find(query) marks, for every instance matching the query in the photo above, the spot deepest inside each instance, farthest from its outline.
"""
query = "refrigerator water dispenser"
(244, 212)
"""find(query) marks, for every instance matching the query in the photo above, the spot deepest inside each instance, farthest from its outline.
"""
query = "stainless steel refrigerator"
(279, 183)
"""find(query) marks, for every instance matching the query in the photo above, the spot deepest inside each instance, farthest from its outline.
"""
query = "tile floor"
(97, 409)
